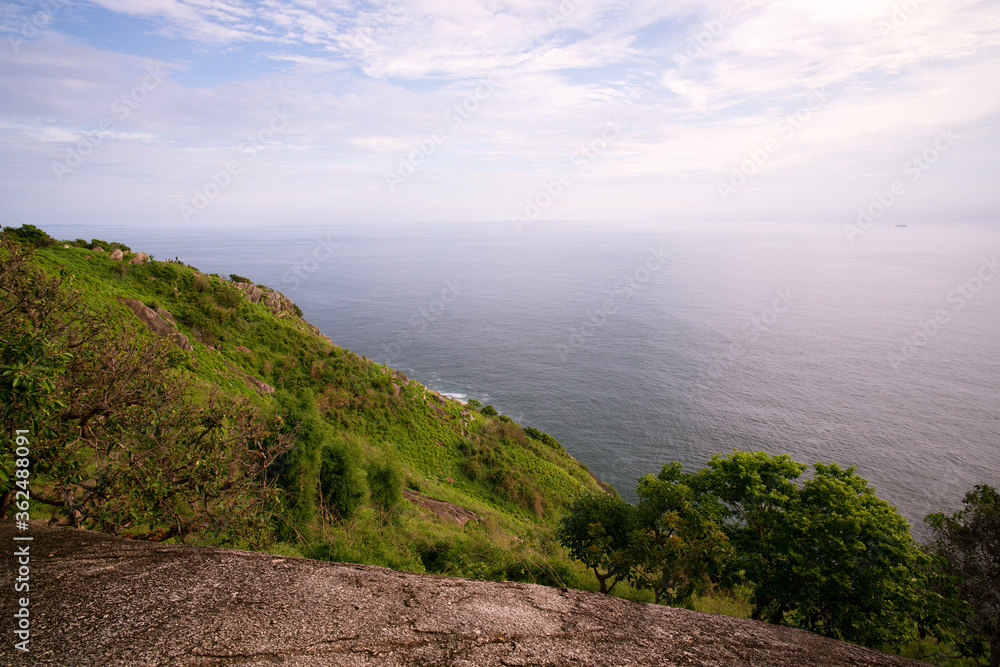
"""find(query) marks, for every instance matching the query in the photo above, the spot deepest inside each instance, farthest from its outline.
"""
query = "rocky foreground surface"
(103, 601)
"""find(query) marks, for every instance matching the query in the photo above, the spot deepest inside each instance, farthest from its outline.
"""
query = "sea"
(639, 344)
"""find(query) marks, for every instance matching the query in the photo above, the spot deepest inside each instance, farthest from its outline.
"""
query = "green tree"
(829, 556)
(966, 547)
(854, 561)
(597, 531)
(677, 543)
(755, 490)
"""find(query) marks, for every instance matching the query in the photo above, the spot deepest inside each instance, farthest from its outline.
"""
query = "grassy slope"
(518, 485)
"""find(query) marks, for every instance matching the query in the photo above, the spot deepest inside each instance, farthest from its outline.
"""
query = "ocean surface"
(639, 345)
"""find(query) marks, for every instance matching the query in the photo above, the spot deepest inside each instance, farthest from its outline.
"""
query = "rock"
(116, 254)
(65, 246)
(157, 324)
(165, 314)
(242, 348)
(259, 385)
(98, 249)
(140, 258)
(103, 600)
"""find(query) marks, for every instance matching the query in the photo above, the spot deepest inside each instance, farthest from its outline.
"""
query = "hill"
(356, 461)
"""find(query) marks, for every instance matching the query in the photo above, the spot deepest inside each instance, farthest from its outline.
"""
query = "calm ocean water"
(637, 346)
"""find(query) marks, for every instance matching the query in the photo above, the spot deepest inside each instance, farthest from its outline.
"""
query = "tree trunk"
(758, 610)
(779, 615)
(995, 651)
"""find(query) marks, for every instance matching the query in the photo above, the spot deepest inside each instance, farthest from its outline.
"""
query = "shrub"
(30, 235)
(201, 282)
(342, 480)
(236, 278)
(489, 411)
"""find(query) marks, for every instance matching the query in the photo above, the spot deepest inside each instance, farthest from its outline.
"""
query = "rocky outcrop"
(448, 511)
(101, 600)
(117, 254)
(157, 324)
(140, 258)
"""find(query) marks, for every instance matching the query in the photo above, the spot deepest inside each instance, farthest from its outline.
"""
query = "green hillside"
(365, 465)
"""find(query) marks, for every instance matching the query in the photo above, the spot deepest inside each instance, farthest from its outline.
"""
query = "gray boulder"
(157, 324)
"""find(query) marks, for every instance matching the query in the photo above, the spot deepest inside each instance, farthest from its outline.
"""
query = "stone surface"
(447, 511)
(102, 601)
(116, 254)
(140, 258)
(157, 324)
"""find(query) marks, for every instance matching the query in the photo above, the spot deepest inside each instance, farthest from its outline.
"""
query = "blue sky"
(169, 113)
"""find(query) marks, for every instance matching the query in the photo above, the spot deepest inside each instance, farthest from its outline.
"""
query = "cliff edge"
(104, 601)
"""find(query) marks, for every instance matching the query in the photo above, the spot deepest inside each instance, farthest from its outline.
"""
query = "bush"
(385, 482)
(342, 480)
(201, 282)
(489, 411)
(236, 278)
(30, 235)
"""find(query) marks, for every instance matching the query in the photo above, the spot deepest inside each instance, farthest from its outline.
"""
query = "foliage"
(119, 444)
(489, 411)
(678, 543)
(827, 555)
(597, 531)
(830, 554)
(236, 278)
(966, 547)
(29, 235)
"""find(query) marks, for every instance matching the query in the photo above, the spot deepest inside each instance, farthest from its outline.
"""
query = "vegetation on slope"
(302, 447)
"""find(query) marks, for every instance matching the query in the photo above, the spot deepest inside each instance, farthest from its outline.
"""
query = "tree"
(597, 531)
(677, 542)
(755, 490)
(829, 555)
(120, 442)
(966, 547)
(854, 560)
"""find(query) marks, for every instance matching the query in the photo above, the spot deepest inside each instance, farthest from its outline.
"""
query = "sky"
(174, 113)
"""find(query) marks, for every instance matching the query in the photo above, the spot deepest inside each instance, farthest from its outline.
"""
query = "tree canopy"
(825, 554)
(966, 547)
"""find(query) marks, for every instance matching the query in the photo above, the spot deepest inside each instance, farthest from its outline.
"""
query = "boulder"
(140, 258)
(157, 324)
(259, 385)
(98, 249)
(116, 254)
(165, 314)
